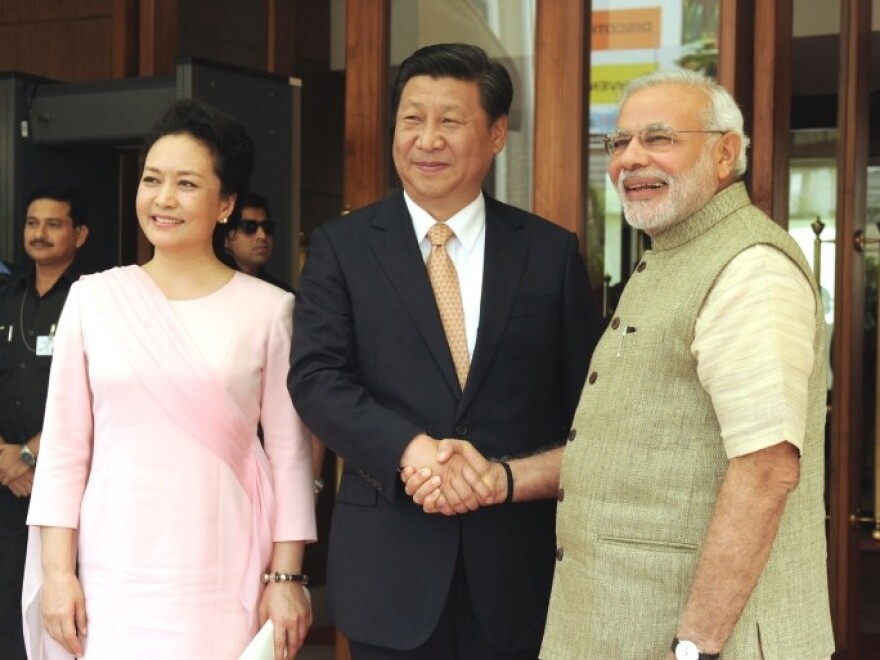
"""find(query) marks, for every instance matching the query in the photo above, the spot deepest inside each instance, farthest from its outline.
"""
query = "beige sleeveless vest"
(641, 476)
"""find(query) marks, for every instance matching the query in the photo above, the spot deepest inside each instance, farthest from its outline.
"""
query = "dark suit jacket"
(371, 369)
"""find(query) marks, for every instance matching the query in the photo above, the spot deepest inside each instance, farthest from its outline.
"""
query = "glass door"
(834, 214)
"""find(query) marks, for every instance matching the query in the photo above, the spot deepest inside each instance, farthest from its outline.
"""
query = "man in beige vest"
(691, 520)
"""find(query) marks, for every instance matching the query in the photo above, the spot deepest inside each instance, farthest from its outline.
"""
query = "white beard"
(687, 193)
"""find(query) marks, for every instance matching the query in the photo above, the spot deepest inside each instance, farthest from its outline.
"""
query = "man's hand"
(23, 485)
(11, 467)
(465, 480)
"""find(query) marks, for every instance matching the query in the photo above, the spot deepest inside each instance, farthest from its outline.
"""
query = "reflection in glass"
(631, 38)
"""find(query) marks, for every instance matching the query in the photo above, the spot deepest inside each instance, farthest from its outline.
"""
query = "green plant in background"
(704, 59)
(699, 20)
(698, 30)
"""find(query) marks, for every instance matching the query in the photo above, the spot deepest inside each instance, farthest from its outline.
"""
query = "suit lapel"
(506, 254)
(394, 243)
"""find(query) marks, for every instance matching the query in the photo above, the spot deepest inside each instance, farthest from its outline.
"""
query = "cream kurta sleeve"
(754, 349)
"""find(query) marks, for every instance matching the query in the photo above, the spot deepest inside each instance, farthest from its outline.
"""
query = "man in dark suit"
(381, 370)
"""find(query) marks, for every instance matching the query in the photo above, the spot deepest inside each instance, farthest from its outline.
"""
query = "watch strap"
(702, 656)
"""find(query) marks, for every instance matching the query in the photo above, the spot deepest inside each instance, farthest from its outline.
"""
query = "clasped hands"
(14, 474)
(450, 476)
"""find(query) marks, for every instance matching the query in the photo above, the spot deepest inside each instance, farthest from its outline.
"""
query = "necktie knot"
(439, 234)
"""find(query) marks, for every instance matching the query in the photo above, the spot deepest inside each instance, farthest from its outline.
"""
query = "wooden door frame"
(367, 123)
(771, 111)
(561, 130)
(847, 406)
(367, 92)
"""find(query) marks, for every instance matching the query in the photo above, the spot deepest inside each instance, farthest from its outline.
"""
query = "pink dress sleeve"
(285, 437)
(66, 443)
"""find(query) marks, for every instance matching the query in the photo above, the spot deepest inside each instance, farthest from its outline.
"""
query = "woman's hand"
(63, 610)
(290, 609)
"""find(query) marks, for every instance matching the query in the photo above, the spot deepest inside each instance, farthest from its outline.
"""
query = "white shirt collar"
(466, 224)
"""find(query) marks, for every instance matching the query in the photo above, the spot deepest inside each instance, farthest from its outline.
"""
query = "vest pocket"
(649, 545)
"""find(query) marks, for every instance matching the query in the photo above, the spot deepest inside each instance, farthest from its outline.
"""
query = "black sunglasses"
(250, 227)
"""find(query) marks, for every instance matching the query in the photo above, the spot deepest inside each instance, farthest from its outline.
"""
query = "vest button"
(559, 554)
(461, 429)
(615, 323)
(593, 377)
(572, 435)
(641, 266)
(561, 494)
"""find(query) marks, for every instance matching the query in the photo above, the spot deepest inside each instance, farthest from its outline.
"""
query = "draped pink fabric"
(129, 347)
(163, 369)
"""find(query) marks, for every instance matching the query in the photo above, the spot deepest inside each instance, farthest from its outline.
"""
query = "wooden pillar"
(846, 417)
(367, 91)
(771, 132)
(562, 72)
(367, 128)
(736, 55)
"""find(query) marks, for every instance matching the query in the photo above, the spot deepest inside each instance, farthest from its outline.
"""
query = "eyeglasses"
(655, 140)
(250, 227)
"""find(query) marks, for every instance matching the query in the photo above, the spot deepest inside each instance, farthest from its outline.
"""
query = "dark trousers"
(13, 545)
(458, 635)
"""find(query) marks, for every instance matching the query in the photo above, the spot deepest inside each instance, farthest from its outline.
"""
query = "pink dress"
(150, 451)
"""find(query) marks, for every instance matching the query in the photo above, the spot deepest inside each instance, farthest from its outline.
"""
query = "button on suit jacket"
(371, 369)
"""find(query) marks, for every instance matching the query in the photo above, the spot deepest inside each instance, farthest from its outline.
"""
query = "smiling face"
(444, 143)
(179, 199)
(661, 189)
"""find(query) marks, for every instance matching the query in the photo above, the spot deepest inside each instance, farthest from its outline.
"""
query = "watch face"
(686, 650)
(27, 456)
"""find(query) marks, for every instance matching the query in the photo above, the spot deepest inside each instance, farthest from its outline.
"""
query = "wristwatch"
(28, 457)
(685, 649)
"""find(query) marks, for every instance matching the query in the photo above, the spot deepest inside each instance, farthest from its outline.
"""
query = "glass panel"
(506, 30)
(813, 209)
(869, 596)
(631, 38)
(813, 179)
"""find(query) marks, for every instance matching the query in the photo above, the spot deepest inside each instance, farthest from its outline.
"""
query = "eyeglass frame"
(607, 139)
(250, 226)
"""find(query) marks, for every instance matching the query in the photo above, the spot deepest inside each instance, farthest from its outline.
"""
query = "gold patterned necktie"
(444, 281)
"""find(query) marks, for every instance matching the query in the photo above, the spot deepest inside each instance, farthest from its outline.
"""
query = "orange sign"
(623, 29)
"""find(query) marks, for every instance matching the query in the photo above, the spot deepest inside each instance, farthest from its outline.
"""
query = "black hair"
(256, 201)
(462, 62)
(78, 207)
(232, 150)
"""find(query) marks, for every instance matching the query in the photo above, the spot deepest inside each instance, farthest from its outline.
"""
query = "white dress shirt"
(467, 251)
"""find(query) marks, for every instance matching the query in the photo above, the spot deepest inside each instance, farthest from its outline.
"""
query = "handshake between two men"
(451, 476)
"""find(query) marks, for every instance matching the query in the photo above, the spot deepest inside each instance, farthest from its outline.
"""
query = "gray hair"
(722, 114)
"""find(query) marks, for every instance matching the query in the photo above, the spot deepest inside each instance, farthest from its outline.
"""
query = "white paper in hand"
(262, 646)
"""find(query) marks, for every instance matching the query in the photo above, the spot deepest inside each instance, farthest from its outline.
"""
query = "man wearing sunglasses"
(249, 240)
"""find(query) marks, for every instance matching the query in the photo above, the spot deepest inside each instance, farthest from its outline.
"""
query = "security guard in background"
(30, 305)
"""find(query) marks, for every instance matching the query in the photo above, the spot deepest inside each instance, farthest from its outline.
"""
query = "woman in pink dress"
(167, 531)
